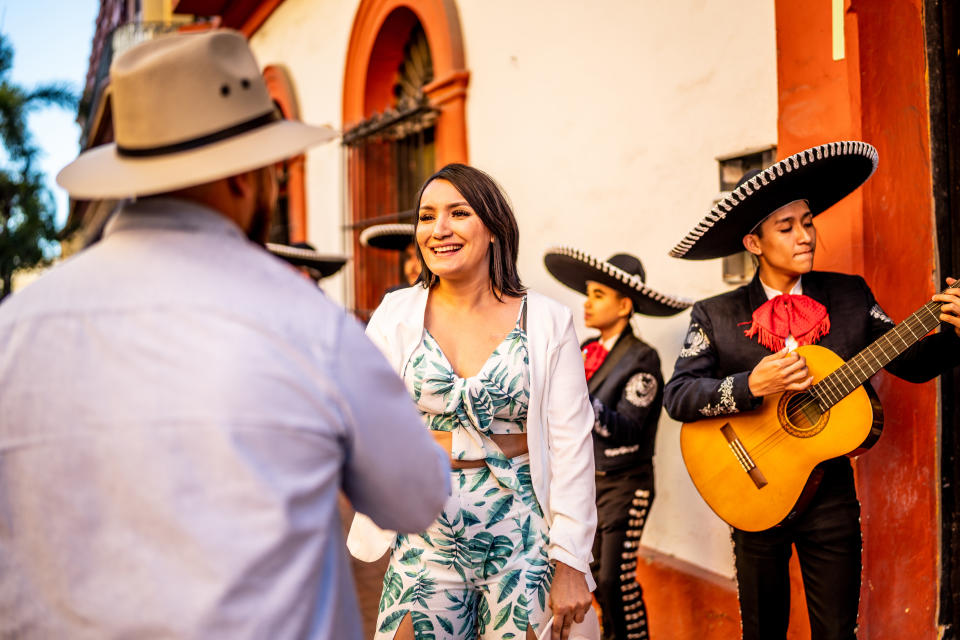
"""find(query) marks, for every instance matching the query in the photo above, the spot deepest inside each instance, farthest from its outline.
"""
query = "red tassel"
(800, 316)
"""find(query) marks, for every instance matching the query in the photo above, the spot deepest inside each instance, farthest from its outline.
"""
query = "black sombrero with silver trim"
(821, 175)
(388, 236)
(302, 254)
(621, 272)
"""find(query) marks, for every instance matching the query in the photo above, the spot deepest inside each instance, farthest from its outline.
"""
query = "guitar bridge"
(743, 457)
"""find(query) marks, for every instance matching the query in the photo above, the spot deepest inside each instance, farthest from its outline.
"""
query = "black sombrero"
(388, 236)
(821, 175)
(301, 254)
(622, 272)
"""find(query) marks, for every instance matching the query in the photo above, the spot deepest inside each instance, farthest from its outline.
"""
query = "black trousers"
(828, 541)
(623, 501)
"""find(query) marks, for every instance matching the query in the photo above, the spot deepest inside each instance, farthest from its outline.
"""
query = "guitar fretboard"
(853, 373)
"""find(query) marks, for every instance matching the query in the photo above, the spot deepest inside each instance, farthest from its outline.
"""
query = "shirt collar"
(170, 214)
(771, 293)
(608, 344)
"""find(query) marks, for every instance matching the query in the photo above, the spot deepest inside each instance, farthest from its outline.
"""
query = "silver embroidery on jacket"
(599, 428)
(696, 342)
(619, 451)
(727, 403)
(877, 313)
(641, 389)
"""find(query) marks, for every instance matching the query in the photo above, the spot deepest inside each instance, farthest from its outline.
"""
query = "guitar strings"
(765, 443)
(778, 434)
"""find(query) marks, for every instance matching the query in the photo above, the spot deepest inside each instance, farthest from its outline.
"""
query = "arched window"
(404, 94)
(290, 219)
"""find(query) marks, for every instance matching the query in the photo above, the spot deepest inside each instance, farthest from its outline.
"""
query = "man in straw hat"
(180, 409)
(739, 348)
(626, 388)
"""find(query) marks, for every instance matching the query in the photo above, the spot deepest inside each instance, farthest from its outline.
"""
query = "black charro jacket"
(627, 395)
(710, 377)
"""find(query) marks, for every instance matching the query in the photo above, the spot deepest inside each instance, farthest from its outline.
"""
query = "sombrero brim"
(822, 176)
(326, 265)
(388, 236)
(574, 268)
(102, 173)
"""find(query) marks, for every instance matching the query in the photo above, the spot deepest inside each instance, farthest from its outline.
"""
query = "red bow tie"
(789, 315)
(593, 356)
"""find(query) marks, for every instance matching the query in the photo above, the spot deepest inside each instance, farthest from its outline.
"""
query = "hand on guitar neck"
(950, 311)
(781, 371)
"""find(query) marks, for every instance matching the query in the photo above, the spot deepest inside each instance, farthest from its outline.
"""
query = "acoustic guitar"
(754, 468)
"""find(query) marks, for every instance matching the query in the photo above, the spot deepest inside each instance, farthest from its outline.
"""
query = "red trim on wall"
(281, 90)
(885, 231)
(441, 23)
(686, 602)
(898, 479)
(252, 21)
(380, 30)
(245, 16)
(819, 102)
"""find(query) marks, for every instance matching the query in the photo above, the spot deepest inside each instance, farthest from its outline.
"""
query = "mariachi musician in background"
(626, 389)
(739, 350)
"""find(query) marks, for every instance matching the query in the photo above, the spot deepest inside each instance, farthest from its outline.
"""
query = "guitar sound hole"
(800, 415)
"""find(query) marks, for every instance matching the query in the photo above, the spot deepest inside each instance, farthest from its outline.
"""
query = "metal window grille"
(387, 158)
(740, 267)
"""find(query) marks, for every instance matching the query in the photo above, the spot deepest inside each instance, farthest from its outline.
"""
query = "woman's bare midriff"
(512, 445)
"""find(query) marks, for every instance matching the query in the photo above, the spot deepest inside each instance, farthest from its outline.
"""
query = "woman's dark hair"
(487, 199)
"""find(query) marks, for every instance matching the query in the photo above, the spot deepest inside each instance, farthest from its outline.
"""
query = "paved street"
(368, 576)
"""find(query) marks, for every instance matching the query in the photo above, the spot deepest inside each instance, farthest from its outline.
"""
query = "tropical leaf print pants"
(479, 571)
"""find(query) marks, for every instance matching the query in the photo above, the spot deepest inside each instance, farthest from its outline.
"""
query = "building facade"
(612, 128)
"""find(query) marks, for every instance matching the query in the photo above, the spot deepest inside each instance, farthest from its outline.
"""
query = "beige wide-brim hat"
(187, 109)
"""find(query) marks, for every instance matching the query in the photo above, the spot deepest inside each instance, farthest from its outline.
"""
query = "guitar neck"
(853, 373)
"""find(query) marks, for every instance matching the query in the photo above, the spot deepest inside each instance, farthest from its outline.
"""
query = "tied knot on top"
(593, 356)
(789, 315)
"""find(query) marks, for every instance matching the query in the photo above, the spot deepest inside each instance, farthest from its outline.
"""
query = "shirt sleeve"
(696, 391)
(394, 472)
(623, 423)
(572, 479)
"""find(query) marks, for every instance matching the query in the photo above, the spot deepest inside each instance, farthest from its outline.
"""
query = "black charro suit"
(710, 378)
(627, 395)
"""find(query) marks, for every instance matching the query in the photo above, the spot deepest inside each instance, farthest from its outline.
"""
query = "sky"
(51, 41)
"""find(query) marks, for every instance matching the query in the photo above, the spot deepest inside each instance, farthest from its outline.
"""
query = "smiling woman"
(497, 375)
(445, 214)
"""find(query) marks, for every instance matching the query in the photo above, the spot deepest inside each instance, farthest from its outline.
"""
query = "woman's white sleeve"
(569, 430)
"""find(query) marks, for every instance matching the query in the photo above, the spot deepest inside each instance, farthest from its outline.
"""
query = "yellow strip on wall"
(839, 45)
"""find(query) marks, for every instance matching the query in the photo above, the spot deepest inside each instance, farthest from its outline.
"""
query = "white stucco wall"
(602, 121)
(310, 38)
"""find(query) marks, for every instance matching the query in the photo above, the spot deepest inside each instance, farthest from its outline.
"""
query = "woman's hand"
(570, 599)
(950, 311)
(781, 371)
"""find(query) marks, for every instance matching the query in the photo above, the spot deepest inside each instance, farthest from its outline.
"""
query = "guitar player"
(738, 349)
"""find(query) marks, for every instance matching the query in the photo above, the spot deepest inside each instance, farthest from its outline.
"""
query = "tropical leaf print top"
(492, 401)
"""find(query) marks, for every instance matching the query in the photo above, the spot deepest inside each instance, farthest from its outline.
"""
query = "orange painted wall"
(685, 602)
(885, 233)
(899, 480)
(819, 102)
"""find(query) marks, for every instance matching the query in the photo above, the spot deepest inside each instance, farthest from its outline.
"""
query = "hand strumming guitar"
(781, 371)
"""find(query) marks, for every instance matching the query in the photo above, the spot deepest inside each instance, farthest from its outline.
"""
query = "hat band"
(201, 141)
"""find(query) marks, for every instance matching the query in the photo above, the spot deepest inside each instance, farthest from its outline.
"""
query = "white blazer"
(559, 421)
